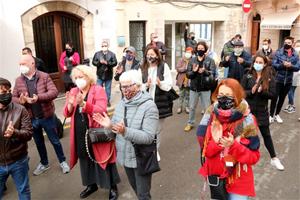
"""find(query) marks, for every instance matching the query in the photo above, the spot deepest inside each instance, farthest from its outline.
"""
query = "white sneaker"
(158, 157)
(275, 162)
(278, 119)
(287, 108)
(271, 119)
(65, 167)
(40, 169)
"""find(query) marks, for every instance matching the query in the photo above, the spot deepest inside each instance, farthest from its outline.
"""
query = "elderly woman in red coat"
(84, 100)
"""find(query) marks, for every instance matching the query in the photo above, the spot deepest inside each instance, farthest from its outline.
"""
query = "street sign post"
(246, 6)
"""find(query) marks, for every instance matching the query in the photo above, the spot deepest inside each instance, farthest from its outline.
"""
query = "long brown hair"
(266, 74)
(145, 64)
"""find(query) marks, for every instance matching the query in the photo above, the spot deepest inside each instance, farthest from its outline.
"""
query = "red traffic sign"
(246, 6)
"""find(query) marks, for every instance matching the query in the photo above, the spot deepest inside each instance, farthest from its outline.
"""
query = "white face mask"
(187, 55)
(24, 69)
(265, 47)
(297, 49)
(81, 83)
(155, 40)
(104, 48)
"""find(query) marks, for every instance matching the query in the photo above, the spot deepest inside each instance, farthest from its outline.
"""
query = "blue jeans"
(50, 128)
(237, 197)
(19, 172)
(107, 84)
(291, 95)
(194, 99)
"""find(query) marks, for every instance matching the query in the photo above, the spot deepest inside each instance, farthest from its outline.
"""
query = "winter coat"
(181, 78)
(104, 152)
(161, 97)
(188, 41)
(204, 81)
(75, 61)
(258, 101)
(159, 45)
(269, 54)
(285, 75)
(242, 154)
(237, 70)
(14, 148)
(135, 65)
(142, 119)
(105, 72)
(46, 92)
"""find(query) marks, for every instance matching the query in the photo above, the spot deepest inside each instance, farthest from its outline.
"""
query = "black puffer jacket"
(258, 102)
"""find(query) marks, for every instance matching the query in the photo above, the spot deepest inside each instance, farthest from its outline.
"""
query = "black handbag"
(146, 158)
(97, 135)
(217, 187)
(146, 155)
(173, 94)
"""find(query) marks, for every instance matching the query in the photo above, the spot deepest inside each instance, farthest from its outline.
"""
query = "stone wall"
(87, 22)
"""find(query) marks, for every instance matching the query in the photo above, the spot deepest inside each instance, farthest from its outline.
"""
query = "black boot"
(113, 193)
(88, 190)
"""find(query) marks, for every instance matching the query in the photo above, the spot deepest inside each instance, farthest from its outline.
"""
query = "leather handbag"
(98, 135)
(146, 154)
(217, 187)
(173, 94)
(146, 158)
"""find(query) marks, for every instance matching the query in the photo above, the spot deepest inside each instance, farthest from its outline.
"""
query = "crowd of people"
(235, 107)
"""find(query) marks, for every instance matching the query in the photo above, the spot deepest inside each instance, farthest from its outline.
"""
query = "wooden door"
(51, 32)
(255, 37)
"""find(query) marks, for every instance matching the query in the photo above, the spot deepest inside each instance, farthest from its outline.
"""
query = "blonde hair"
(87, 71)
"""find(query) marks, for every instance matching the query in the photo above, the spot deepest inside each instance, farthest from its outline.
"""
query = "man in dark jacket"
(36, 91)
(129, 62)
(285, 62)
(189, 39)
(237, 62)
(39, 63)
(105, 60)
(15, 132)
(158, 44)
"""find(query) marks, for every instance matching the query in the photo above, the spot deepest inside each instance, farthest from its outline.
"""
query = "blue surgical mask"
(258, 67)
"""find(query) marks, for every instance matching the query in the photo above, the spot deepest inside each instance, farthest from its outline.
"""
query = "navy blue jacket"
(284, 74)
(237, 70)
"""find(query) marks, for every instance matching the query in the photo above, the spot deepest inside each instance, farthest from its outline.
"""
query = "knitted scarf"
(239, 120)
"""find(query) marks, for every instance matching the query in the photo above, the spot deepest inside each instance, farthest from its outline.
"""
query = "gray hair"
(86, 70)
(134, 76)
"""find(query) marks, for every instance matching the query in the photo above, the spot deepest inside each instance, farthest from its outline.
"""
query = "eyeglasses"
(125, 87)
(104, 46)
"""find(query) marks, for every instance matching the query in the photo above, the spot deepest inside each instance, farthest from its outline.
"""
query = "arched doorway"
(64, 16)
(255, 33)
(51, 31)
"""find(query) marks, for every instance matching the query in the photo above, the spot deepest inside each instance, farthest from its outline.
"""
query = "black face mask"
(200, 53)
(5, 99)
(287, 46)
(225, 102)
(69, 52)
(151, 59)
(193, 37)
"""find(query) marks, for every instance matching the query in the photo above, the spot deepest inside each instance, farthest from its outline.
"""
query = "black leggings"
(278, 100)
(265, 132)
